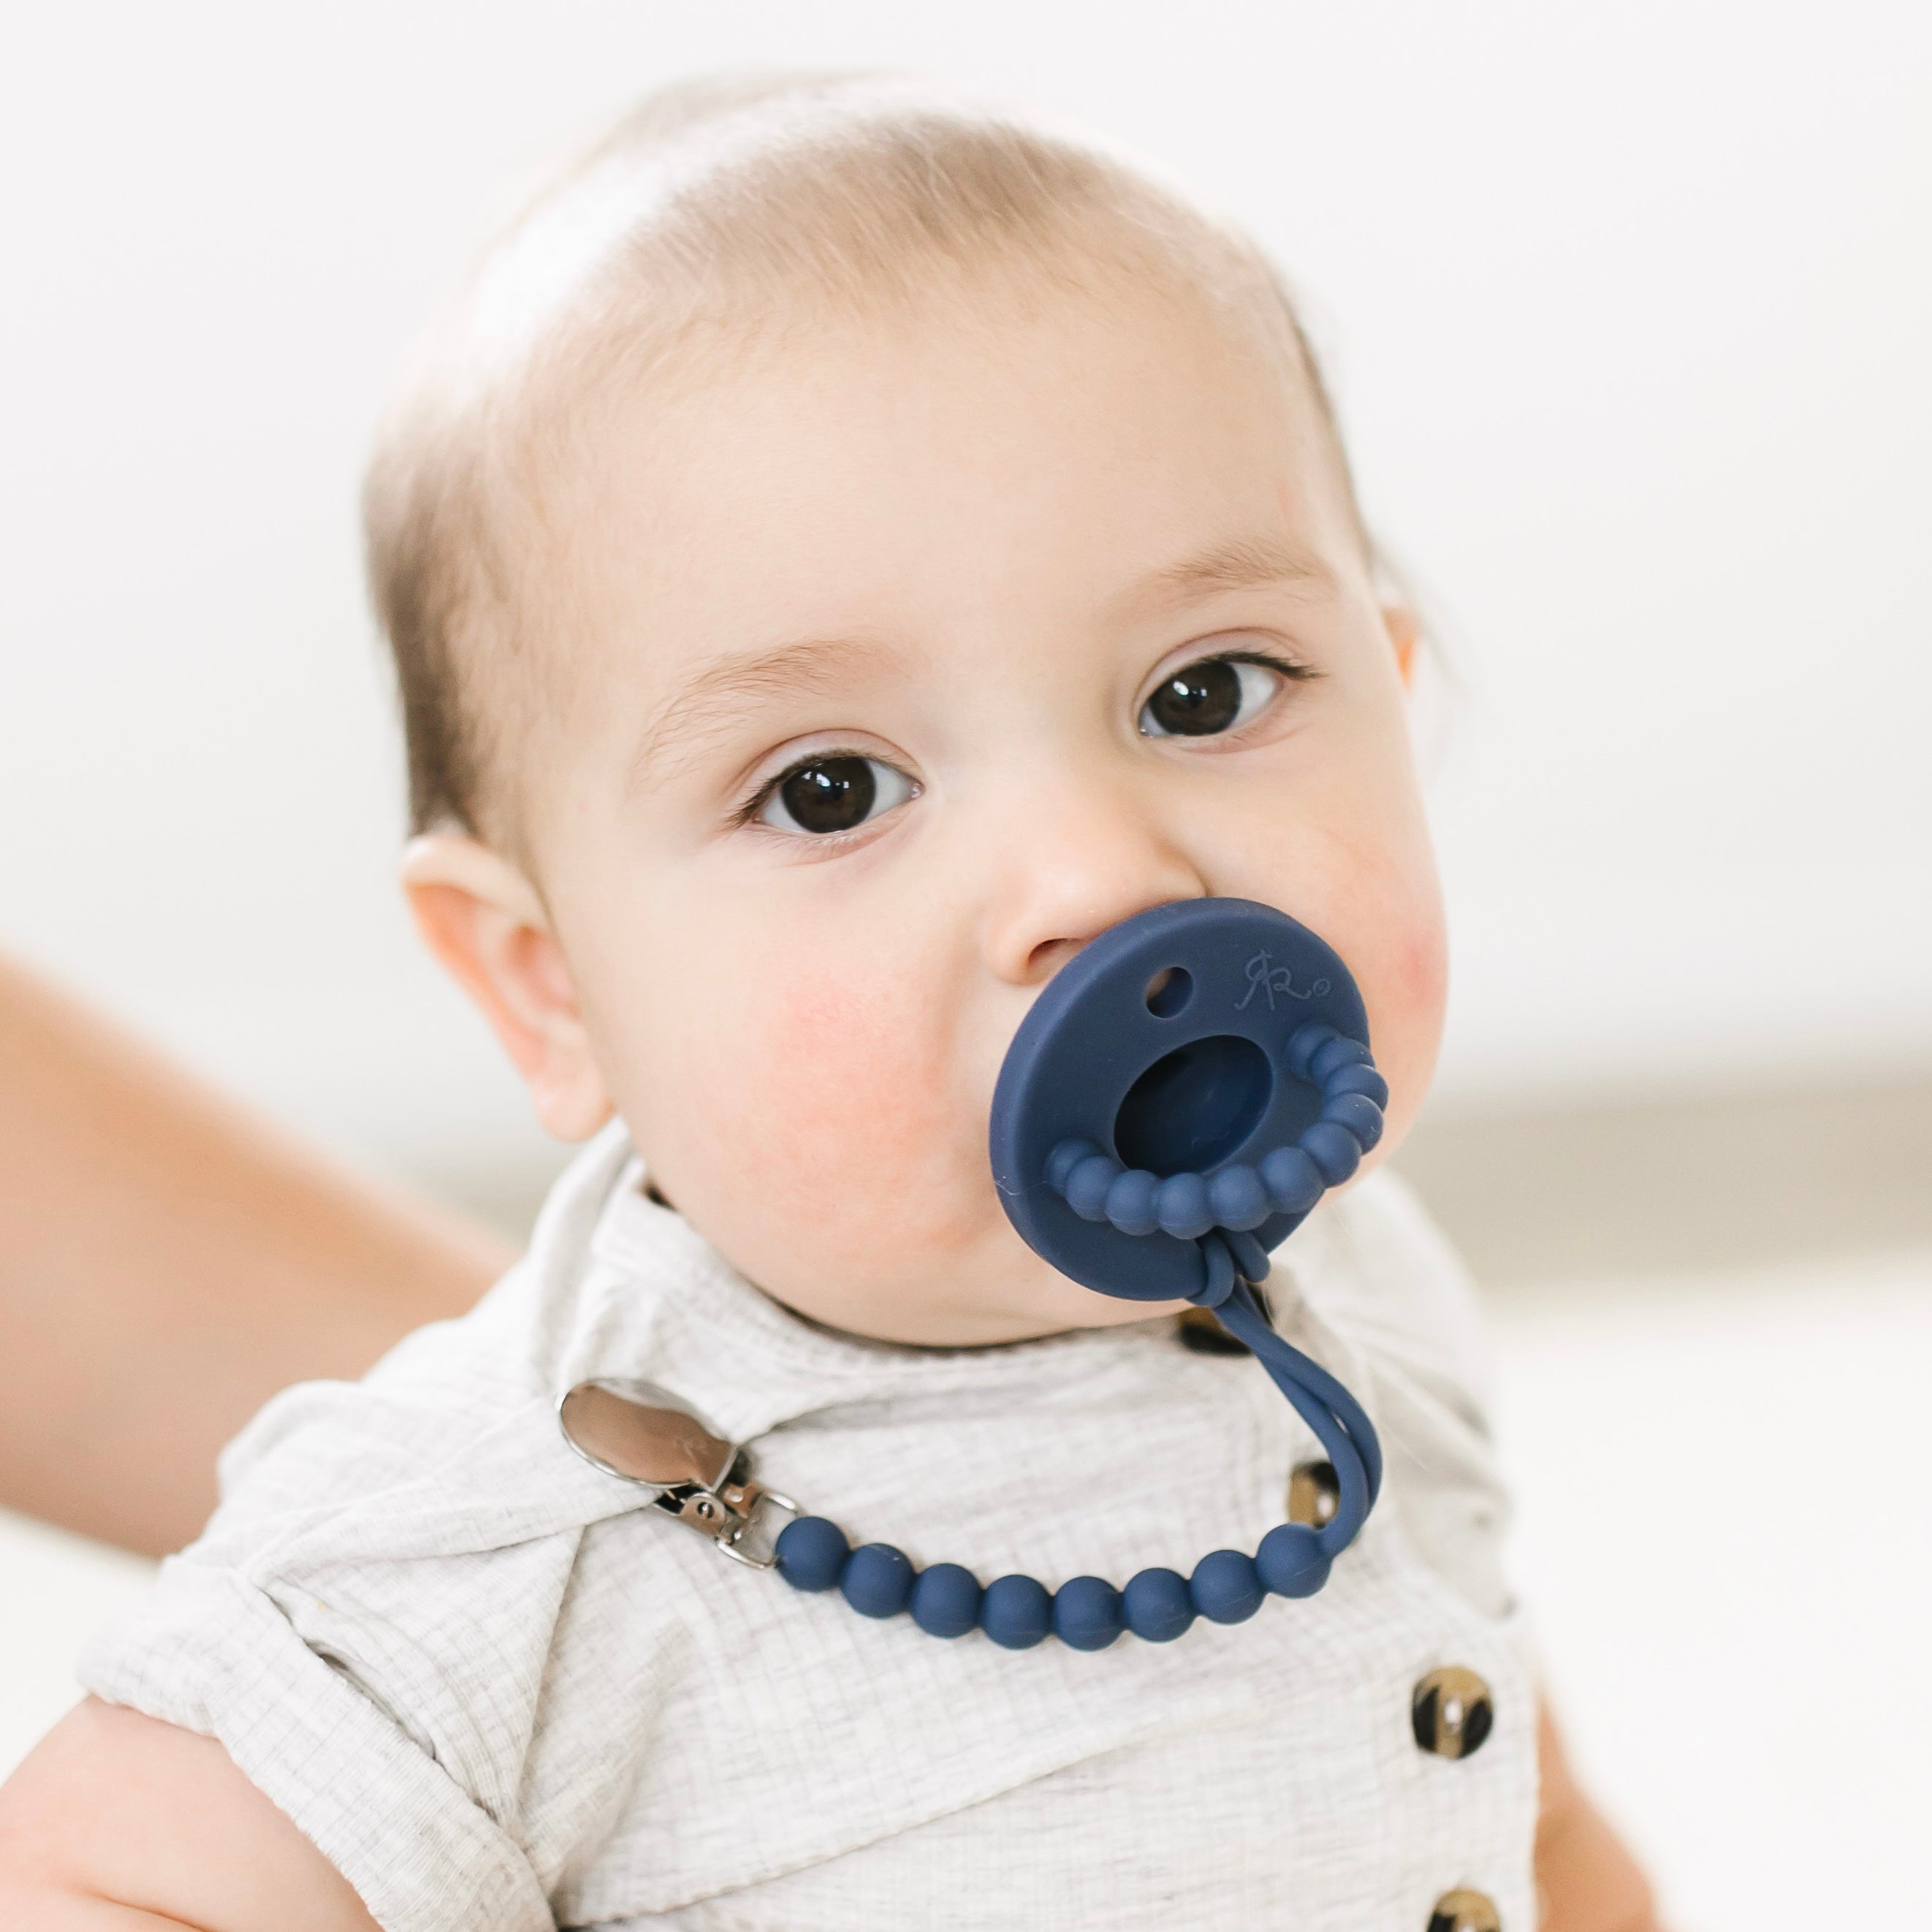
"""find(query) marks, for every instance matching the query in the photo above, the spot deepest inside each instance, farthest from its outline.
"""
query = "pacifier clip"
(1181, 1095)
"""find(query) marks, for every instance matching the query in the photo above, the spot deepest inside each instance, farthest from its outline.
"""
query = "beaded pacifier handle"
(1181, 1095)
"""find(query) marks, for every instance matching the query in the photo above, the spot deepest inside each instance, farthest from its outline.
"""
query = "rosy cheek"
(1421, 969)
(1405, 980)
(841, 1081)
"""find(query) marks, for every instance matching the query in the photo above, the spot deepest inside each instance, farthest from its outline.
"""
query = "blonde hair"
(714, 213)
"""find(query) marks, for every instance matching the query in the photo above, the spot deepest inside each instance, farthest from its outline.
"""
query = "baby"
(846, 551)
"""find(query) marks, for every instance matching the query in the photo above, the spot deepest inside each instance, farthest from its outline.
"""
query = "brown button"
(1451, 1712)
(1465, 1912)
(1313, 1494)
(1200, 1330)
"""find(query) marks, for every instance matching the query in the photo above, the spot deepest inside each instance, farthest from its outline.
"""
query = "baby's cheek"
(1422, 967)
(844, 1099)
(1388, 924)
(1374, 899)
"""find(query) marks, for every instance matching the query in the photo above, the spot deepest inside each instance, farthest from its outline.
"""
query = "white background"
(1628, 309)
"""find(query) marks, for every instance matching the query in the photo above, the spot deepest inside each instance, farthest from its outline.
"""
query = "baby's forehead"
(824, 417)
(876, 476)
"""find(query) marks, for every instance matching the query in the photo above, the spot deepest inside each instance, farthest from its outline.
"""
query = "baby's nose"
(1072, 866)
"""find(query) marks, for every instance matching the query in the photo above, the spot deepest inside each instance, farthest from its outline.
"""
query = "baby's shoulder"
(395, 1468)
(450, 1444)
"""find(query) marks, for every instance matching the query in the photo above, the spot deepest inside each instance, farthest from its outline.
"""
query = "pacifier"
(1200, 1072)
(1182, 1093)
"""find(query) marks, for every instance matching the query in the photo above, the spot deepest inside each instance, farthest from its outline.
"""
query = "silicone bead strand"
(1288, 1180)
(1017, 1612)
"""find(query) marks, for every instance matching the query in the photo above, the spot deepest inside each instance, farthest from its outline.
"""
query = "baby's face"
(901, 663)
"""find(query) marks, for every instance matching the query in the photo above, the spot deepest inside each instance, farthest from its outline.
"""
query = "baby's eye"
(1212, 696)
(834, 794)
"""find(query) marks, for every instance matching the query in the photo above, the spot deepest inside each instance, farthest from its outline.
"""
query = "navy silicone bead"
(811, 1552)
(1237, 1199)
(1087, 1186)
(1015, 1611)
(877, 1579)
(1130, 1201)
(945, 1600)
(1064, 1159)
(1357, 1080)
(1180, 1203)
(1308, 1042)
(1157, 1606)
(1333, 1150)
(1335, 1055)
(1226, 1587)
(1358, 1113)
(1290, 1562)
(1293, 1181)
(1087, 1612)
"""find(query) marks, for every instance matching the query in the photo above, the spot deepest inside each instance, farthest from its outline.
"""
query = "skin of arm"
(167, 1263)
(118, 1822)
(1586, 1880)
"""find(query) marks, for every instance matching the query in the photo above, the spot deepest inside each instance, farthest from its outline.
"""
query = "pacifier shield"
(1165, 1041)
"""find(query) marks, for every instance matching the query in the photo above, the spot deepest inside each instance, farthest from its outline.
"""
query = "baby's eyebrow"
(1244, 563)
(711, 705)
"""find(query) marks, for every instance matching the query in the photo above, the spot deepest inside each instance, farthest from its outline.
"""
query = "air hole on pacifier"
(1193, 1108)
(1169, 990)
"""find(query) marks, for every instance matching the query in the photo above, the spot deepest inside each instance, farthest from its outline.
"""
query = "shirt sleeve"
(365, 1627)
(212, 1651)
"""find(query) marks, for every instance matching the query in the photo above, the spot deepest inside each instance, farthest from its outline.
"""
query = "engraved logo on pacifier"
(1266, 978)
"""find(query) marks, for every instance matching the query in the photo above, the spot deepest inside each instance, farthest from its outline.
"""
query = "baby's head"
(845, 551)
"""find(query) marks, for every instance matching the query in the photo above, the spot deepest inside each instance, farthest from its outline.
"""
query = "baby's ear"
(479, 915)
(1405, 632)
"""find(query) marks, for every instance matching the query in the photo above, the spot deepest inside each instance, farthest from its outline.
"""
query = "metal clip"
(642, 1434)
(729, 1513)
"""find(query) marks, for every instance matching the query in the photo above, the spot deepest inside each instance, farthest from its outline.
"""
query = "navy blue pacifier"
(1201, 1071)
(1182, 1093)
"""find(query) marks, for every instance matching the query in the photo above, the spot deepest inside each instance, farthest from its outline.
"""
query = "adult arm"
(1586, 1880)
(167, 1262)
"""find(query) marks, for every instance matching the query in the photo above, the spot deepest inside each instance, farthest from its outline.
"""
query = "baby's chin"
(962, 1280)
(1021, 1303)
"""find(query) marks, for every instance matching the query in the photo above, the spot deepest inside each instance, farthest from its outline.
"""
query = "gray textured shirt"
(499, 1691)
